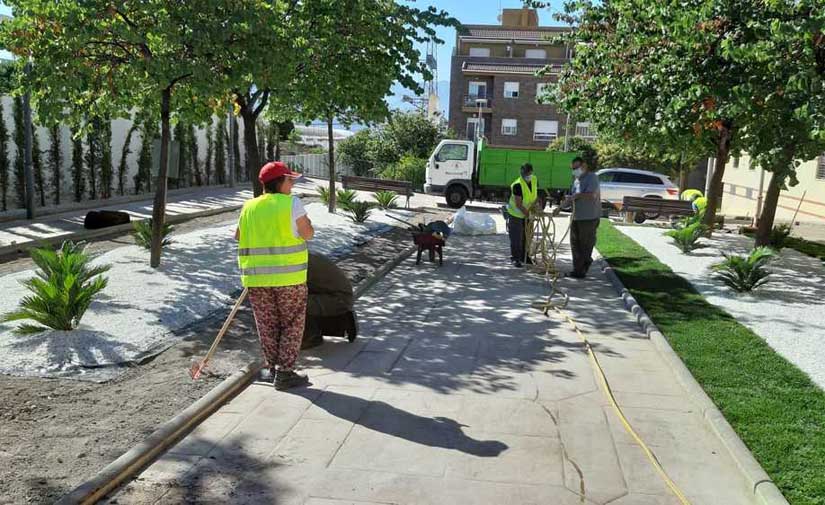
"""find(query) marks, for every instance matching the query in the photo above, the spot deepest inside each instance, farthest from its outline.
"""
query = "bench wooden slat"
(404, 188)
(657, 205)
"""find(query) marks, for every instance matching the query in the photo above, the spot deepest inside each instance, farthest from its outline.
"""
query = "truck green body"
(498, 167)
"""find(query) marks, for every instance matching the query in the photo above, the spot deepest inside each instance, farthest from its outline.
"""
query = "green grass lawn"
(773, 406)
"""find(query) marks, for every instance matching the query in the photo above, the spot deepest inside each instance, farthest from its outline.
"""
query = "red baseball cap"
(275, 169)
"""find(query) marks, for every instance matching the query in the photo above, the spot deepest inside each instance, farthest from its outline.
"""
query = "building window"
(482, 52)
(478, 89)
(820, 168)
(545, 130)
(541, 89)
(538, 54)
(584, 130)
(509, 127)
(736, 162)
(510, 90)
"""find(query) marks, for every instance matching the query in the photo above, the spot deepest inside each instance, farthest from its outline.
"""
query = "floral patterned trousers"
(280, 315)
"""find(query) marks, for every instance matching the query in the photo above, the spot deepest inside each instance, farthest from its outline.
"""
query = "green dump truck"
(460, 172)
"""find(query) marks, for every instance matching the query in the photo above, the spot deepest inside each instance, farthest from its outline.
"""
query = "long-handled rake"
(197, 368)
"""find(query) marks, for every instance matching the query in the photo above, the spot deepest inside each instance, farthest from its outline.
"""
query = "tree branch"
(260, 107)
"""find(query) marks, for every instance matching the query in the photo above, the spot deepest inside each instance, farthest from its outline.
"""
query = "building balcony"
(544, 137)
(470, 103)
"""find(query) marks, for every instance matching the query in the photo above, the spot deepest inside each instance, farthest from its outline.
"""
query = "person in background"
(523, 195)
(587, 210)
(272, 254)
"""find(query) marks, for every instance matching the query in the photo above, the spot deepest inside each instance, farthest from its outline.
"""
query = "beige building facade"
(743, 180)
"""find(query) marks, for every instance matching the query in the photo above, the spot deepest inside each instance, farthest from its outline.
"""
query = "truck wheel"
(456, 196)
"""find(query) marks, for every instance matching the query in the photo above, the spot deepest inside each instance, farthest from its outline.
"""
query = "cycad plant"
(687, 238)
(386, 199)
(359, 211)
(143, 233)
(64, 287)
(323, 192)
(346, 197)
(745, 273)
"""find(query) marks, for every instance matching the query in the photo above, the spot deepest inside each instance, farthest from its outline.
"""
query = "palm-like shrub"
(323, 192)
(687, 238)
(779, 236)
(386, 199)
(359, 211)
(345, 198)
(745, 273)
(143, 233)
(64, 286)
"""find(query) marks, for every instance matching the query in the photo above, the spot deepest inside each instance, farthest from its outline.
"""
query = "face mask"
(527, 178)
(577, 173)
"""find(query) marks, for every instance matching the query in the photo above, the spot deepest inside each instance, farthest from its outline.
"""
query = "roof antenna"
(500, 12)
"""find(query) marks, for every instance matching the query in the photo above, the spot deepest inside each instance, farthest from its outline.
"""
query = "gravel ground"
(785, 312)
(57, 433)
(198, 274)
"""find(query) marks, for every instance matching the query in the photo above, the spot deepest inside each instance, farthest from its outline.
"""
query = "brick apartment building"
(493, 75)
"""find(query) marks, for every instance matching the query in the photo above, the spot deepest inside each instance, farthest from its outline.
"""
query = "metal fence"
(316, 165)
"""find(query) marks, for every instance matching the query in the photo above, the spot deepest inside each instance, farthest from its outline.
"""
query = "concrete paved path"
(457, 393)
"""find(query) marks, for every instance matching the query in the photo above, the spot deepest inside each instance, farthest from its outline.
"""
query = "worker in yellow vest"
(700, 204)
(523, 195)
(272, 254)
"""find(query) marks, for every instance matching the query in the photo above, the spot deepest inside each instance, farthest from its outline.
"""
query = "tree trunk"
(332, 195)
(250, 142)
(277, 142)
(682, 175)
(715, 193)
(159, 207)
(763, 231)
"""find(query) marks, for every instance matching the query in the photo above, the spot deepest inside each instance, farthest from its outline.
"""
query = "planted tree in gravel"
(18, 137)
(345, 197)
(674, 68)
(64, 287)
(220, 150)
(386, 199)
(56, 161)
(123, 167)
(37, 167)
(78, 172)
(142, 232)
(747, 272)
(358, 50)
(359, 212)
(4, 161)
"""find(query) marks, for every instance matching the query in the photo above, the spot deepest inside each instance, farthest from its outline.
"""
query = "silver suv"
(617, 183)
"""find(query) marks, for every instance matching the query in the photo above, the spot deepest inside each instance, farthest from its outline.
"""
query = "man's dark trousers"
(582, 241)
(517, 239)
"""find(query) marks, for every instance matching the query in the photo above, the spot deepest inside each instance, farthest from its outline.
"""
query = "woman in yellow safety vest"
(272, 255)
(523, 194)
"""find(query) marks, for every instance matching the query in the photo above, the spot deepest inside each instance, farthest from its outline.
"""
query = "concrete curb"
(130, 464)
(117, 472)
(763, 488)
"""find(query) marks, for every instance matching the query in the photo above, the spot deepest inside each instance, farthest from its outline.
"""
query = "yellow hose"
(543, 248)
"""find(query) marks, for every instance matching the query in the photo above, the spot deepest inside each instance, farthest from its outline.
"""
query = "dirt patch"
(56, 433)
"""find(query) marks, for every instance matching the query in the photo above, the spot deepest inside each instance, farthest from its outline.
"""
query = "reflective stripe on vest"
(269, 251)
(269, 254)
(529, 195)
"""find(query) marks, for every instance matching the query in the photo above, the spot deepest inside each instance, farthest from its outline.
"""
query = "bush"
(687, 238)
(745, 273)
(779, 236)
(359, 211)
(323, 192)
(689, 220)
(143, 233)
(62, 291)
(409, 169)
(386, 199)
(345, 198)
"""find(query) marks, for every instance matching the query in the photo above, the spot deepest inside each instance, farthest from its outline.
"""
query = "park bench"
(403, 188)
(638, 209)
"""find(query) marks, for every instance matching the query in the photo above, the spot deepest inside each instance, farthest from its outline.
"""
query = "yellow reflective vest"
(700, 204)
(529, 196)
(269, 255)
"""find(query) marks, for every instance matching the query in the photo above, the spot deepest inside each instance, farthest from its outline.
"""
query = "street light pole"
(27, 149)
